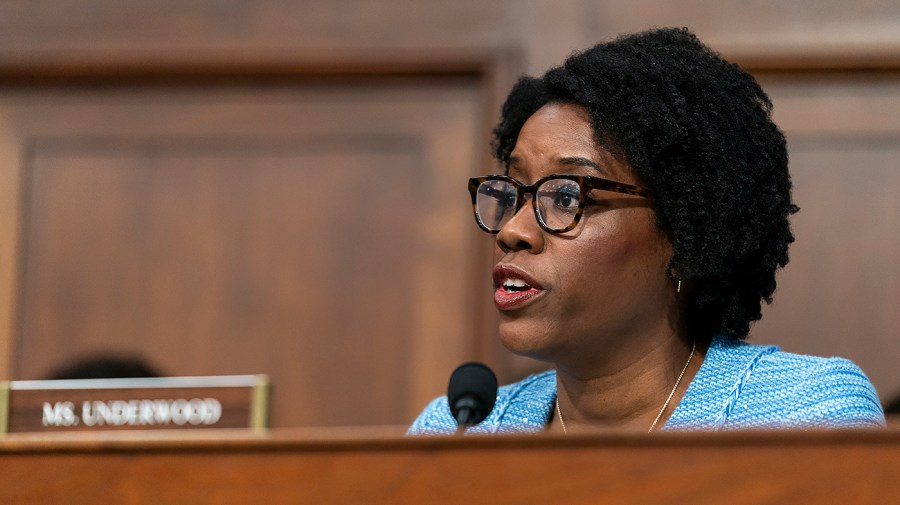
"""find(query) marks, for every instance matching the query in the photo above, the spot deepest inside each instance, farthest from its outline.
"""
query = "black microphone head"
(472, 392)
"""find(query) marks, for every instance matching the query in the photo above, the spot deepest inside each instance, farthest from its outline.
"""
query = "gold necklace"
(562, 421)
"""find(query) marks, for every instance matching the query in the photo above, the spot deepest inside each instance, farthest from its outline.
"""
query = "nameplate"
(158, 403)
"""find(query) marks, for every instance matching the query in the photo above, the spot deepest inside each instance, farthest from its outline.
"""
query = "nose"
(521, 232)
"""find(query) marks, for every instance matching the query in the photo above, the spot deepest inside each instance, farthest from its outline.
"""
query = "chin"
(526, 342)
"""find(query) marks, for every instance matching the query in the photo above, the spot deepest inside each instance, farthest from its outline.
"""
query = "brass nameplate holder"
(233, 401)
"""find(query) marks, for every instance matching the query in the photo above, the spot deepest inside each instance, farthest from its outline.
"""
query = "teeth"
(514, 284)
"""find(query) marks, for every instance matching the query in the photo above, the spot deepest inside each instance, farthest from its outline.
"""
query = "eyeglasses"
(558, 200)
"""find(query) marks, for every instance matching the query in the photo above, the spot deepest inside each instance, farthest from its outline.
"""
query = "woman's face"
(592, 293)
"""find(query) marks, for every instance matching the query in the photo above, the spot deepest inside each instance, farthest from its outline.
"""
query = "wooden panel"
(760, 26)
(42, 35)
(53, 32)
(841, 291)
(747, 468)
(308, 233)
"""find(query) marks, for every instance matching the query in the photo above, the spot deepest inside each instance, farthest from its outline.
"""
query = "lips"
(513, 288)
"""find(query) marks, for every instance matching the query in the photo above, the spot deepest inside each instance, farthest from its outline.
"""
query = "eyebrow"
(568, 161)
(578, 161)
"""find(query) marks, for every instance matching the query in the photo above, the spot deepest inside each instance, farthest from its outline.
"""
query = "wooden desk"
(379, 466)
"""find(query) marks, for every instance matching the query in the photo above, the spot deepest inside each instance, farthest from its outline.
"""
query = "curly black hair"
(697, 130)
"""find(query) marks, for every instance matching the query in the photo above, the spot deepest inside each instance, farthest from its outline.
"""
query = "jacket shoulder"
(794, 390)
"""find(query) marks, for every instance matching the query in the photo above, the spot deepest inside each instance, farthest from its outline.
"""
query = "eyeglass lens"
(495, 203)
(556, 207)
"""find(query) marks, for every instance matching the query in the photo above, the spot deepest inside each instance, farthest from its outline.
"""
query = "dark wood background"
(279, 187)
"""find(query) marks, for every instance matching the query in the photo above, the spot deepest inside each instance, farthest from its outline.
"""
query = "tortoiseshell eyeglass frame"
(586, 183)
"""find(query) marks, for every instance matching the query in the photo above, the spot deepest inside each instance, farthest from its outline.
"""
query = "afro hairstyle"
(697, 130)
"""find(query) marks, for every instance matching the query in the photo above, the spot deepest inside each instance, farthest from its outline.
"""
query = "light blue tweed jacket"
(738, 386)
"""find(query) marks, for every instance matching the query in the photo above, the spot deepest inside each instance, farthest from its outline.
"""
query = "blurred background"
(278, 186)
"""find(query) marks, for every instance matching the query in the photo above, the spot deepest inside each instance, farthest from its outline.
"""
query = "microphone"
(471, 393)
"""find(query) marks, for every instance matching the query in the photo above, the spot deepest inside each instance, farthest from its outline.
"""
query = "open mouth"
(515, 285)
(513, 288)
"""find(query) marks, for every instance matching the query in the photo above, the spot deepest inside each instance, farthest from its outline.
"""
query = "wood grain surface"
(375, 467)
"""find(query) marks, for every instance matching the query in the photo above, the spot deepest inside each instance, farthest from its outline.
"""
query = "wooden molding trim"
(132, 69)
(795, 62)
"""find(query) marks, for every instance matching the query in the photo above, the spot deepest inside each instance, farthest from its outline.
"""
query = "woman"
(639, 225)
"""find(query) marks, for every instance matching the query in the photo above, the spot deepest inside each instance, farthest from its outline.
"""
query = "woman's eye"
(504, 197)
(567, 198)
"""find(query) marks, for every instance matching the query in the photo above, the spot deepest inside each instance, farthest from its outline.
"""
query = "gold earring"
(678, 288)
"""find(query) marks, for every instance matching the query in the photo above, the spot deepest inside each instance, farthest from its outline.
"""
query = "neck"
(631, 394)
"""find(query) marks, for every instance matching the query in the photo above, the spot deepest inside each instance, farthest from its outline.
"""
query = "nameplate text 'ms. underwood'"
(234, 401)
